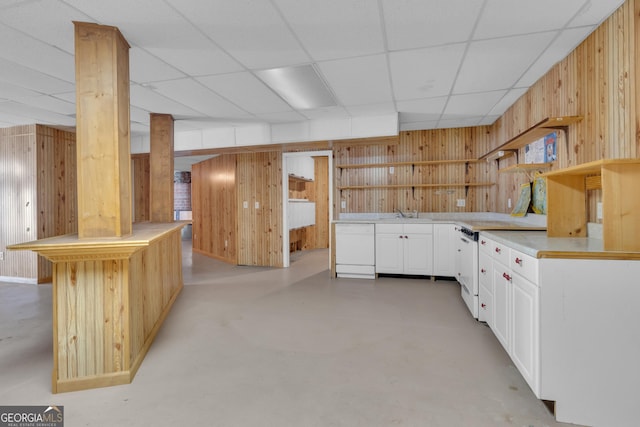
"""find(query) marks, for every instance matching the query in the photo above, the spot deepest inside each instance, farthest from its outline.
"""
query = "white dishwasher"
(355, 250)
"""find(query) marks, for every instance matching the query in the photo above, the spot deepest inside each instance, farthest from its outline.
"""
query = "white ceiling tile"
(25, 77)
(331, 29)
(49, 103)
(472, 104)
(145, 68)
(595, 11)
(36, 115)
(139, 115)
(35, 54)
(420, 23)
(251, 31)
(66, 96)
(358, 81)
(56, 30)
(156, 27)
(414, 75)
(507, 100)
(246, 91)
(189, 92)
(499, 63)
(488, 120)
(13, 92)
(565, 42)
(508, 17)
(150, 100)
(421, 109)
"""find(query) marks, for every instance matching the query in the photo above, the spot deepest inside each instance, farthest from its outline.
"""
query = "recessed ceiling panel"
(499, 63)
(246, 91)
(506, 101)
(358, 81)
(508, 17)
(424, 73)
(253, 32)
(331, 29)
(422, 23)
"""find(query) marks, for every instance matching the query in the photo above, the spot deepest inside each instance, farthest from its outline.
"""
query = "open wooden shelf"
(413, 163)
(299, 178)
(468, 184)
(525, 167)
(566, 201)
(536, 132)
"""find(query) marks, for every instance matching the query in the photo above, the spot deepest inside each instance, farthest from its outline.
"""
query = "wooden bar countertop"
(143, 234)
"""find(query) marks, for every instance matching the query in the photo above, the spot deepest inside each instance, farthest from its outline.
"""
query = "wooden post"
(161, 168)
(103, 131)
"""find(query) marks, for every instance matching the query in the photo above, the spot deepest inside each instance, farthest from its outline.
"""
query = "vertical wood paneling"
(259, 179)
(213, 198)
(321, 197)
(141, 171)
(597, 81)
(161, 161)
(428, 145)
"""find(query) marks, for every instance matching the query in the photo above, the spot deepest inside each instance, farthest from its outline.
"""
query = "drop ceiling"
(437, 63)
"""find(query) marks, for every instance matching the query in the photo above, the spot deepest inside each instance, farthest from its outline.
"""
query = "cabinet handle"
(401, 237)
(482, 242)
(482, 270)
(518, 261)
(498, 250)
(483, 305)
(506, 276)
(405, 237)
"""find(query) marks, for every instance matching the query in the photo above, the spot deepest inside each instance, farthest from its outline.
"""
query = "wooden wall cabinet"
(567, 207)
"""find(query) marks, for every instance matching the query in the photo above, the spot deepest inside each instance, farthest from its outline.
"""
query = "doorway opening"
(307, 208)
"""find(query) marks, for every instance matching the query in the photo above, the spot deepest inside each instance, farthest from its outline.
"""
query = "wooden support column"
(103, 131)
(161, 168)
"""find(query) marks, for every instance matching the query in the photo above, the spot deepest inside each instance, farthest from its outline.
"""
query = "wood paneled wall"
(597, 81)
(140, 173)
(37, 193)
(259, 179)
(321, 197)
(214, 207)
(428, 145)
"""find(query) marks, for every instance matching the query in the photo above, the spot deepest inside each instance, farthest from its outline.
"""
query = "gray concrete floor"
(248, 346)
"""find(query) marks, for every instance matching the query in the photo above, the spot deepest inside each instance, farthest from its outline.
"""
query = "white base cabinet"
(404, 249)
(444, 247)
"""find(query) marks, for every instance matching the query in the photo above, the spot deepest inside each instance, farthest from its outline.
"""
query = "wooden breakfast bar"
(110, 297)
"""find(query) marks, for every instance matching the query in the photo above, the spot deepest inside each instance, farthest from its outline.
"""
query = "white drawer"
(390, 228)
(418, 228)
(524, 265)
(354, 228)
(500, 253)
(484, 244)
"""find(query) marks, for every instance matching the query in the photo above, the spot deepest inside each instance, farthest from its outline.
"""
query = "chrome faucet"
(413, 214)
(401, 213)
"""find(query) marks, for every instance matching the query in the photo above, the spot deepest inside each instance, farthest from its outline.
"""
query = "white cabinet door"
(485, 289)
(389, 253)
(501, 301)
(444, 250)
(525, 346)
(418, 254)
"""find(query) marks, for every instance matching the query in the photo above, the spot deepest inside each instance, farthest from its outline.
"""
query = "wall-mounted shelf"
(299, 178)
(535, 132)
(526, 168)
(566, 202)
(413, 163)
(366, 187)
